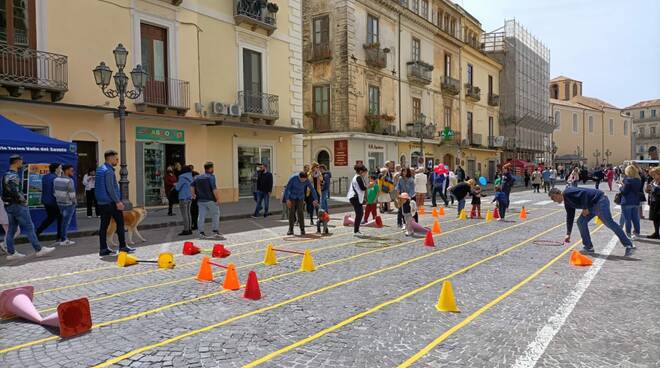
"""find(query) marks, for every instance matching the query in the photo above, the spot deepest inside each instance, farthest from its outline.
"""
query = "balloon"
(483, 181)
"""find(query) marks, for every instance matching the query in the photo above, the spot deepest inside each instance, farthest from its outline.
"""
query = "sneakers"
(127, 249)
(15, 256)
(652, 236)
(358, 235)
(302, 232)
(217, 235)
(3, 248)
(66, 242)
(588, 249)
(254, 216)
(202, 236)
(185, 232)
(289, 233)
(634, 237)
(44, 251)
(107, 252)
(629, 251)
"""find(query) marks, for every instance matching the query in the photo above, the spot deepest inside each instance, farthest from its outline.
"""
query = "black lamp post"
(102, 76)
(419, 126)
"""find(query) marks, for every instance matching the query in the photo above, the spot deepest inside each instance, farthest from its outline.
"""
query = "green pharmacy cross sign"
(447, 133)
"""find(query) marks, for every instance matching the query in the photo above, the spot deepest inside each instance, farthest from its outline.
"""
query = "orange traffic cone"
(441, 211)
(252, 287)
(428, 241)
(523, 213)
(496, 213)
(436, 228)
(421, 210)
(435, 212)
(579, 259)
(205, 272)
(231, 278)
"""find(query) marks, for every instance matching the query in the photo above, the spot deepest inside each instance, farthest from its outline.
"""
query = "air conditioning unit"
(499, 141)
(234, 110)
(218, 108)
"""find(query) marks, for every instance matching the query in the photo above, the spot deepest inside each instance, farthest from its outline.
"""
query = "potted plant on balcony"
(373, 123)
(371, 46)
(272, 7)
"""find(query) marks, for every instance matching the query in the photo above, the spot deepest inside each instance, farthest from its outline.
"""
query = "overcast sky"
(612, 46)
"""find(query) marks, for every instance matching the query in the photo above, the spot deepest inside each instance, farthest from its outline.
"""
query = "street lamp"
(418, 127)
(596, 155)
(608, 153)
(102, 76)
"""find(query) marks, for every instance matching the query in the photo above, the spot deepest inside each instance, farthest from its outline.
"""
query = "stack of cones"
(428, 241)
(523, 213)
(446, 300)
(489, 216)
(307, 264)
(579, 259)
(436, 228)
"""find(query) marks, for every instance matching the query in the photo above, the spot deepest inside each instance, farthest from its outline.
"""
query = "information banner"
(35, 173)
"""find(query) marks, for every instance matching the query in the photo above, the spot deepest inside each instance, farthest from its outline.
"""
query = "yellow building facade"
(589, 130)
(225, 86)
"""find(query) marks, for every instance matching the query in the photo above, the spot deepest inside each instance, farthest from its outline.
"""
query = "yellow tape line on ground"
(311, 293)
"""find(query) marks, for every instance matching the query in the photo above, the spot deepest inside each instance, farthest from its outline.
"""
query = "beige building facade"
(383, 78)
(645, 117)
(225, 85)
(589, 130)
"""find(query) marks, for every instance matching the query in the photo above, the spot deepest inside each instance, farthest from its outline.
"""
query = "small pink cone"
(18, 302)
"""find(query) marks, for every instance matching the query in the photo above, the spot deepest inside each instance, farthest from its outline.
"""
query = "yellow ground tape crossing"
(308, 294)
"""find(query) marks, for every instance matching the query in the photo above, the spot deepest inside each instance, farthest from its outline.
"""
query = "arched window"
(575, 89)
(323, 158)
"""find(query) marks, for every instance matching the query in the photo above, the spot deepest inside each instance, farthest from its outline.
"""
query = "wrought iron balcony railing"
(375, 56)
(321, 123)
(475, 139)
(450, 86)
(428, 131)
(420, 72)
(493, 100)
(257, 14)
(173, 94)
(259, 105)
(472, 92)
(38, 71)
(317, 52)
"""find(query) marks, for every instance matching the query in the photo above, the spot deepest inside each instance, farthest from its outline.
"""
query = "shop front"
(480, 162)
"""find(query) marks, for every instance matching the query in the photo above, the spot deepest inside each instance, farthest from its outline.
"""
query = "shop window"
(249, 157)
(376, 161)
(17, 23)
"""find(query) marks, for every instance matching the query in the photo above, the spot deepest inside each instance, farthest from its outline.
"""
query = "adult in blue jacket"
(108, 196)
(593, 203)
(48, 200)
(294, 195)
(631, 191)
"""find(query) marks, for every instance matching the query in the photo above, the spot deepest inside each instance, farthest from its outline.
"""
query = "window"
(374, 100)
(575, 90)
(575, 123)
(591, 124)
(625, 127)
(425, 9)
(611, 126)
(416, 50)
(322, 100)
(416, 108)
(652, 113)
(17, 23)
(490, 85)
(448, 117)
(641, 114)
(652, 132)
(469, 126)
(321, 30)
(470, 78)
(554, 91)
(641, 131)
(372, 30)
(448, 65)
(491, 127)
(415, 6)
(154, 49)
(558, 119)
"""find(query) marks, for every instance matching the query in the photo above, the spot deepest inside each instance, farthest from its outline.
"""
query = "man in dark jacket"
(593, 203)
(48, 200)
(460, 174)
(264, 189)
(460, 191)
(294, 196)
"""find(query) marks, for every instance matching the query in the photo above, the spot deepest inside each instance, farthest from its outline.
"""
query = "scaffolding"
(524, 93)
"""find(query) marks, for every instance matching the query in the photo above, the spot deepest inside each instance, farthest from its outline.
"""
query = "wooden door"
(18, 40)
(87, 159)
(154, 60)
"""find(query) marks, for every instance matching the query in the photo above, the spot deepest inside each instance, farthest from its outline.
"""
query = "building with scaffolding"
(525, 119)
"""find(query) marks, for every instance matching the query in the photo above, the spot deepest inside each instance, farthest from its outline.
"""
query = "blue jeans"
(602, 210)
(502, 206)
(67, 214)
(438, 190)
(214, 210)
(265, 198)
(631, 217)
(20, 216)
(461, 205)
(325, 195)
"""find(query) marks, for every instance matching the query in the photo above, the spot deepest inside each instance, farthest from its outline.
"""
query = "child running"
(372, 200)
(501, 202)
(475, 211)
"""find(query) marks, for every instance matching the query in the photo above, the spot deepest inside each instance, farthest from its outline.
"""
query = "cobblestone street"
(369, 303)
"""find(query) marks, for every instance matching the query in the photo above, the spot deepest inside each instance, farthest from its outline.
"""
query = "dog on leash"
(132, 220)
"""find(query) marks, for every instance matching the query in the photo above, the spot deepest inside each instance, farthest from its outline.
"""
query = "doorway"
(249, 157)
(87, 159)
(323, 158)
(157, 157)
(154, 61)
(252, 81)
(448, 160)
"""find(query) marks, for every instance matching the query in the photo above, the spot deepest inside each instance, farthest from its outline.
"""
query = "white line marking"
(542, 203)
(521, 201)
(543, 338)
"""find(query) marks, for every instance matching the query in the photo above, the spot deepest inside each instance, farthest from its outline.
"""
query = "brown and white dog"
(132, 220)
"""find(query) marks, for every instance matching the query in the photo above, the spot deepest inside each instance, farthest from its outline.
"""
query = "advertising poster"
(34, 174)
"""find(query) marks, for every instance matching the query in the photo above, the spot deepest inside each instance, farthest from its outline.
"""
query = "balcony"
(321, 123)
(318, 52)
(474, 139)
(472, 92)
(420, 72)
(38, 71)
(450, 86)
(261, 106)
(257, 14)
(375, 57)
(168, 94)
(493, 100)
(428, 131)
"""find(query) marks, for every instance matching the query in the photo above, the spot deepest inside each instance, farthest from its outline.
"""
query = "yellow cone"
(489, 216)
(436, 230)
(463, 215)
(598, 221)
(124, 259)
(166, 260)
(446, 301)
(270, 258)
(307, 264)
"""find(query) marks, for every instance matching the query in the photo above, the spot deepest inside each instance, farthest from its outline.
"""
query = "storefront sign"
(375, 147)
(159, 135)
(341, 153)
(34, 174)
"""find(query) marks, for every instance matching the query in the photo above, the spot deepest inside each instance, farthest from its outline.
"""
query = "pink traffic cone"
(348, 220)
(18, 302)
(419, 228)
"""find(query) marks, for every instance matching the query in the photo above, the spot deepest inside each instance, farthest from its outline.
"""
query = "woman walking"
(574, 177)
(420, 187)
(356, 194)
(630, 195)
(185, 199)
(654, 202)
(89, 181)
(536, 181)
